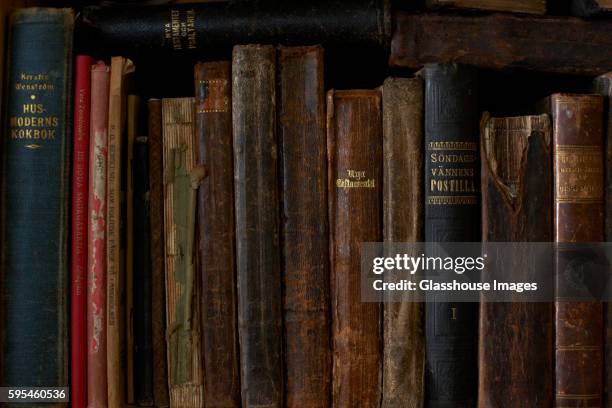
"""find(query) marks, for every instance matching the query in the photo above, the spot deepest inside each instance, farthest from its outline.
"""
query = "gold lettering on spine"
(180, 30)
(355, 179)
(577, 169)
(452, 177)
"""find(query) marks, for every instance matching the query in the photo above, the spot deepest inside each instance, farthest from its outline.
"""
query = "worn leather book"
(157, 245)
(590, 8)
(304, 227)
(181, 178)
(603, 86)
(257, 225)
(516, 365)
(97, 395)
(35, 277)
(516, 6)
(354, 156)
(78, 245)
(220, 25)
(216, 230)
(403, 334)
(452, 214)
(115, 268)
(578, 217)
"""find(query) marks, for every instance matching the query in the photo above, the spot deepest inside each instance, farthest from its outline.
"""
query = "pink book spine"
(96, 257)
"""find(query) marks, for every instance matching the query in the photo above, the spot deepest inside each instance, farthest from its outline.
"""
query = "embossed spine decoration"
(354, 154)
(452, 214)
(257, 226)
(403, 334)
(181, 180)
(97, 395)
(304, 226)
(578, 217)
(35, 200)
(516, 339)
(217, 240)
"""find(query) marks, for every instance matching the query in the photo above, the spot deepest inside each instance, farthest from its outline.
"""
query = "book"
(35, 276)
(213, 89)
(155, 28)
(516, 207)
(181, 177)
(354, 155)
(97, 395)
(452, 214)
(121, 68)
(260, 328)
(304, 226)
(590, 8)
(515, 6)
(403, 334)
(578, 217)
(78, 253)
(157, 245)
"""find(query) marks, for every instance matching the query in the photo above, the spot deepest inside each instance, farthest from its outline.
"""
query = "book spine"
(257, 226)
(591, 8)
(97, 396)
(115, 322)
(452, 214)
(183, 314)
(158, 278)
(578, 217)
(342, 23)
(515, 6)
(78, 260)
(35, 204)
(516, 207)
(403, 335)
(216, 227)
(354, 154)
(304, 226)
(143, 331)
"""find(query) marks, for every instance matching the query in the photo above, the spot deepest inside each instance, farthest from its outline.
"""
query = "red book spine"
(96, 255)
(78, 263)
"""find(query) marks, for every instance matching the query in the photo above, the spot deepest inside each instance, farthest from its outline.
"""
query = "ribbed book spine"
(578, 172)
(97, 395)
(35, 200)
(115, 268)
(257, 226)
(78, 261)
(354, 154)
(452, 214)
(304, 226)
(403, 334)
(158, 278)
(516, 207)
(216, 226)
(182, 292)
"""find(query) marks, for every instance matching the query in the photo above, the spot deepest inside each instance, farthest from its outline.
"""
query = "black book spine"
(452, 214)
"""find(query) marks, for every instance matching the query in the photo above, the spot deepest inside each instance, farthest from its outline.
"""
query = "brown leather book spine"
(216, 230)
(516, 366)
(304, 227)
(578, 217)
(257, 226)
(515, 6)
(354, 153)
(158, 284)
(403, 334)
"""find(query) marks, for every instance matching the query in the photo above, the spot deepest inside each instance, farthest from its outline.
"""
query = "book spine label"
(578, 217)
(181, 178)
(452, 214)
(403, 335)
(115, 322)
(158, 279)
(354, 151)
(257, 226)
(304, 226)
(78, 261)
(35, 203)
(216, 227)
(96, 240)
(516, 207)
